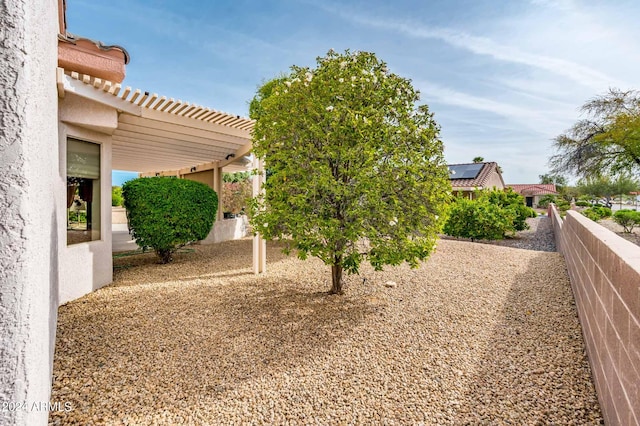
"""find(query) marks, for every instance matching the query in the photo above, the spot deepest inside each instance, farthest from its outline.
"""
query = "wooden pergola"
(159, 136)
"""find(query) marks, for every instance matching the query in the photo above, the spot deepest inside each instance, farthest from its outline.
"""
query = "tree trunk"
(336, 280)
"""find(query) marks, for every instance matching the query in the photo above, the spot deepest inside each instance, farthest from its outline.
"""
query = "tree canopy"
(555, 179)
(478, 159)
(606, 187)
(355, 169)
(606, 141)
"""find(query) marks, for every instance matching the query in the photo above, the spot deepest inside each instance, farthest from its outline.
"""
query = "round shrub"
(583, 203)
(544, 201)
(596, 213)
(512, 201)
(603, 211)
(478, 220)
(166, 213)
(628, 219)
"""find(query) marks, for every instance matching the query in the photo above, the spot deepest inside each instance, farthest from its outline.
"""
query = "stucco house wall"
(29, 220)
(87, 266)
(494, 181)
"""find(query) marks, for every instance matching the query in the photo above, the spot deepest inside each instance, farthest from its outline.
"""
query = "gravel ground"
(538, 237)
(478, 334)
(633, 236)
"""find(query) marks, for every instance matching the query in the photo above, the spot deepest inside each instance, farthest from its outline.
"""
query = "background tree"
(605, 187)
(166, 213)
(116, 196)
(558, 180)
(607, 141)
(478, 159)
(356, 170)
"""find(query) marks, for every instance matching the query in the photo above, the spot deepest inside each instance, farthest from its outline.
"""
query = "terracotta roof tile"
(534, 189)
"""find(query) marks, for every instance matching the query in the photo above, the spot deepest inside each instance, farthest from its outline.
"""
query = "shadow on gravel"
(145, 349)
(534, 369)
(227, 259)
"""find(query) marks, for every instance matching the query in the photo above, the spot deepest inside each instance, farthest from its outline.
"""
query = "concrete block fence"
(605, 277)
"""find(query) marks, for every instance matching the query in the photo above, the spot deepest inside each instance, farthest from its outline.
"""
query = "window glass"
(83, 191)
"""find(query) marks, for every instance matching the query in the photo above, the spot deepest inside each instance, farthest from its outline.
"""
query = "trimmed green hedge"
(166, 213)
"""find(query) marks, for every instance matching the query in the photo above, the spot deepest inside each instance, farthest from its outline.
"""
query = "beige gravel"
(479, 334)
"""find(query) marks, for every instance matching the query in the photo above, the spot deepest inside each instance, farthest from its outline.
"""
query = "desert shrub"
(563, 205)
(166, 213)
(478, 219)
(514, 203)
(604, 211)
(116, 196)
(596, 213)
(628, 219)
(592, 214)
(543, 203)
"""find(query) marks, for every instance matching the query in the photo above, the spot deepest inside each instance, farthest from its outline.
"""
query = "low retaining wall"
(605, 276)
(227, 229)
(118, 215)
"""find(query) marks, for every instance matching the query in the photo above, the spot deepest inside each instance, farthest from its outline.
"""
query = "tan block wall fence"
(605, 276)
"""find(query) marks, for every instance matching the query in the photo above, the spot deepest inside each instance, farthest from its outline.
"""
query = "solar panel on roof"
(465, 171)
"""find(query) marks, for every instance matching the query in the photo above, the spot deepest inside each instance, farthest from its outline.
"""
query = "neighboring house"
(533, 192)
(470, 177)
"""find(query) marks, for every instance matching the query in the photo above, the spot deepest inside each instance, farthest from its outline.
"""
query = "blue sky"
(503, 77)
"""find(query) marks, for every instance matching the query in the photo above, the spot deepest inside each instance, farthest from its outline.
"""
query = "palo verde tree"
(607, 141)
(355, 168)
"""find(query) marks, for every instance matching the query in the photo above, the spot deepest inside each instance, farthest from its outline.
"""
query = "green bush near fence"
(492, 215)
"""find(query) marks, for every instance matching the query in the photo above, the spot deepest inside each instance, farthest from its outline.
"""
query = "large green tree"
(355, 168)
(606, 141)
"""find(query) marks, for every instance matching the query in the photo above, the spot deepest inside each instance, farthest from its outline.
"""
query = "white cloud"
(533, 117)
(485, 46)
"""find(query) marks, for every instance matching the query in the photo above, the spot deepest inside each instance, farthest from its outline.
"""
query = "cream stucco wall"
(28, 218)
(494, 180)
(88, 266)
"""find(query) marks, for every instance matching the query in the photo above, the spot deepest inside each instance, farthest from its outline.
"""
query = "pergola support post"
(259, 244)
(217, 186)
